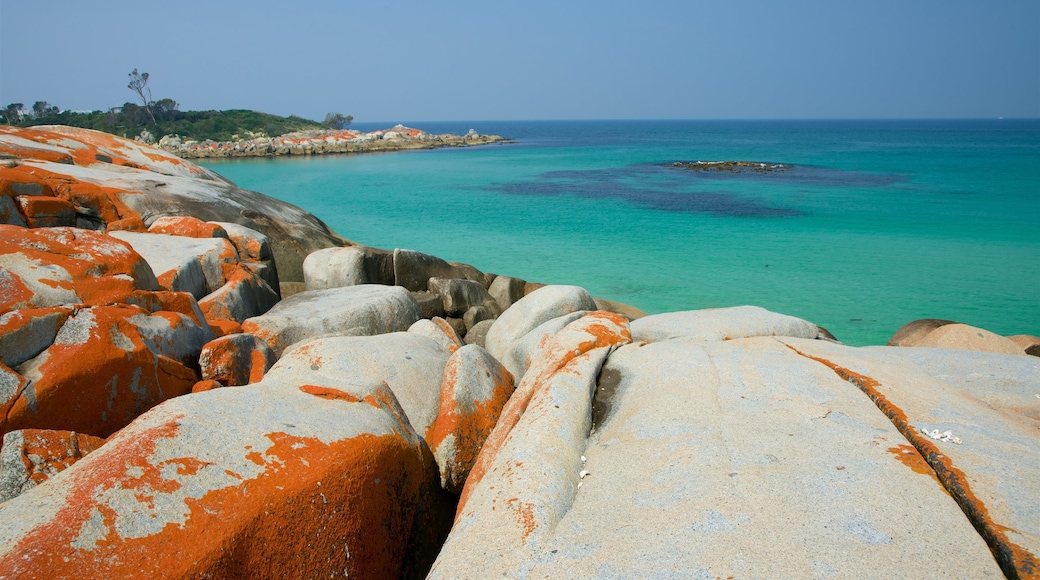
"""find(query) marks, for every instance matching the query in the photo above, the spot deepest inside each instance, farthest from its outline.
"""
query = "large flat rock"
(713, 459)
(976, 435)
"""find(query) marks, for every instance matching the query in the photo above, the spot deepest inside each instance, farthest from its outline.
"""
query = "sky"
(403, 60)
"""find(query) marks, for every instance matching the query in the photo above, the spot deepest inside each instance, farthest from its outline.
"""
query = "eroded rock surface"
(248, 482)
(118, 184)
(695, 456)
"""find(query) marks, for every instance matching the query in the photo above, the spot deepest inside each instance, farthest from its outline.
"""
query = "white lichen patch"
(78, 329)
(93, 531)
(944, 436)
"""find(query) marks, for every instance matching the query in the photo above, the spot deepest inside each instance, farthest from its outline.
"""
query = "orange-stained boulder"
(183, 264)
(55, 266)
(412, 366)
(254, 249)
(475, 389)
(11, 386)
(86, 148)
(181, 302)
(308, 481)
(31, 456)
(236, 359)
(243, 296)
(116, 184)
(224, 327)
(576, 353)
(106, 366)
(206, 385)
(94, 204)
(46, 212)
(187, 226)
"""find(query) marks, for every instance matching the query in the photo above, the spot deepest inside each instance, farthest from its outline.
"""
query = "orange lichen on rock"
(224, 327)
(595, 330)
(474, 391)
(910, 457)
(189, 227)
(236, 359)
(42, 211)
(205, 385)
(13, 292)
(100, 202)
(86, 267)
(1014, 560)
(524, 516)
(244, 295)
(45, 453)
(329, 393)
(454, 342)
(167, 301)
(98, 375)
(86, 147)
(297, 507)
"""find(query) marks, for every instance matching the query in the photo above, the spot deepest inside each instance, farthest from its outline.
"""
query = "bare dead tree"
(139, 84)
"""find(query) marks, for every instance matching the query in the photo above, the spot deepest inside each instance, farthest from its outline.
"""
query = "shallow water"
(874, 223)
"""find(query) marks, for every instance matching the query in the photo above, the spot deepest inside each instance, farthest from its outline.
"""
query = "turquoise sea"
(872, 225)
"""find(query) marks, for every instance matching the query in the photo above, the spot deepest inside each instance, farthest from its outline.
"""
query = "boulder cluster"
(322, 142)
(182, 398)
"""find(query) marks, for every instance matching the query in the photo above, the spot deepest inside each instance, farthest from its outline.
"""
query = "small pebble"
(583, 473)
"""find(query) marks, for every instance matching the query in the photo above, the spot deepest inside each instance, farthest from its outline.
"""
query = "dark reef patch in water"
(663, 187)
(783, 173)
(635, 185)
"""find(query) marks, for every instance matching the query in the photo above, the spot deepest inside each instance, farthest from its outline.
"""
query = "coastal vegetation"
(152, 119)
(132, 120)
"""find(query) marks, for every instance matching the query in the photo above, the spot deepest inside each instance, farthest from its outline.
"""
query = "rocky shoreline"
(202, 381)
(323, 142)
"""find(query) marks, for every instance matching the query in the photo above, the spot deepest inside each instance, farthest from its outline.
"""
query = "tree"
(12, 113)
(43, 109)
(337, 121)
(166, 109)
(139, 84)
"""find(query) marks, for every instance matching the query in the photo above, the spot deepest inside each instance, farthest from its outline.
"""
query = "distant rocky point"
(731, 166)
(323, 142)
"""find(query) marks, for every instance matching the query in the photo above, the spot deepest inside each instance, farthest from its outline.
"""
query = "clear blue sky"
(504, 60)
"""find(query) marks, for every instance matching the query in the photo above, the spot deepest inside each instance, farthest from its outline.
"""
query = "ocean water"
(870, 225)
